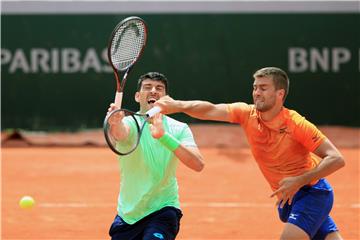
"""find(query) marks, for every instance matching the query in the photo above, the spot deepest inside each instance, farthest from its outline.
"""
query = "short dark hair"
(279, 77)
(156, 76)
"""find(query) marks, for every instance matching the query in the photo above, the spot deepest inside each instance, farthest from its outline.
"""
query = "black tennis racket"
(126, 44)
(134, 124)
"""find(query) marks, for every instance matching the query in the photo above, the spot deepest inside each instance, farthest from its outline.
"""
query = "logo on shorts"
(158, 235)
(293, 216)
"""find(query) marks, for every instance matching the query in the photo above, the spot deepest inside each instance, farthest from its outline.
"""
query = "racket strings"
(127, 43)
(128, 144)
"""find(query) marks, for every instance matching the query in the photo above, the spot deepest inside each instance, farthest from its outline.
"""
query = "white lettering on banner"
(315, 60)
(91, 61)
(106, 67)
(71, 60)
(340, 56)
(39, 57)
(5, 56)
(297, 60)
(319, 59)
(19, 62)
(55, 60)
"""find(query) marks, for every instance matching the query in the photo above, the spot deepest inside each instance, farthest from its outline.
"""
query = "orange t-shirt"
(282, 147)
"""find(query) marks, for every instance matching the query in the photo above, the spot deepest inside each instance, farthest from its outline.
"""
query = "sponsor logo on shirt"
(283, 129)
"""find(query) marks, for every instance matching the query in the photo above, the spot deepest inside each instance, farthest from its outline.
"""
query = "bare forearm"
(203, 110)
(290, 185)
(190, 157)
(327, 166)
(119, 131)
(332, 160)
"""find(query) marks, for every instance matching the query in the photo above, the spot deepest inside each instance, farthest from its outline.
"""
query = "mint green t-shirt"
(148, 175)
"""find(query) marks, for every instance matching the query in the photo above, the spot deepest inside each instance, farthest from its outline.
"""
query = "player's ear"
(137, 97)
(281, 93)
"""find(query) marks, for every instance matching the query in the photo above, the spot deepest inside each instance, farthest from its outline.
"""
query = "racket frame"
(121, 84)
(150, 113)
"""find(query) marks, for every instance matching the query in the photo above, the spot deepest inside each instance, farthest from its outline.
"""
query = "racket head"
(127, 43)
(129, 144)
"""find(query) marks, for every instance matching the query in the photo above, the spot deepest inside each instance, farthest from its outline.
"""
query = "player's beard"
(263, 105)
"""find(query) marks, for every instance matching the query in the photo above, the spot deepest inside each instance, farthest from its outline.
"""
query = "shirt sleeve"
(186, 137)
(307, 133)
(239, 112)
(181, 131)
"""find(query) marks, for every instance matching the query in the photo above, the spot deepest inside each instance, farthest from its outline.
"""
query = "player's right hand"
(116, 117)
(112, 107)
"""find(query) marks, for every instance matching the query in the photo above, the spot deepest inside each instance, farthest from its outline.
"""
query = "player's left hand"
(288, 187)
(156, 126)
(167, 104)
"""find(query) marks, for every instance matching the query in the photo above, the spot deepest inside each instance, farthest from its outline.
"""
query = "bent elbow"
(338, 161)
(200, 167)
(341, 162)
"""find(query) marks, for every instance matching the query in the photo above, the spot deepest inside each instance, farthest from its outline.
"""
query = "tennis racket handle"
(153, 111)
(118, 99)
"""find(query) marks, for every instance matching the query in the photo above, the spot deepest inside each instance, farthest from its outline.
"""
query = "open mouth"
(151, 101)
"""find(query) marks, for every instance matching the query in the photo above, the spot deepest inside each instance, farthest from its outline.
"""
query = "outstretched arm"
(197, 109)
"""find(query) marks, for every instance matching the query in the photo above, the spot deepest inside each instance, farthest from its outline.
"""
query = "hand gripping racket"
(126, 44)
(136, 123)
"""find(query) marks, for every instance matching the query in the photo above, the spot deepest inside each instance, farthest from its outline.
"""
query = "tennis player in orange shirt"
(293, 155)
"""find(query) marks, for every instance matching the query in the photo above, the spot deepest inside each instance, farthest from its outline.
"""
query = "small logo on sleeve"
(315, 138)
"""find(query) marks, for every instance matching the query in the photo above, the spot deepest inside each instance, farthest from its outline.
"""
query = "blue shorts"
(310, 210)
(160, 225)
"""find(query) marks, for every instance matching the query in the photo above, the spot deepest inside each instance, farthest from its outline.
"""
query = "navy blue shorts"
(160, 225)
(310, 210)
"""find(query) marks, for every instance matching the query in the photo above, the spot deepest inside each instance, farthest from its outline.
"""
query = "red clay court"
(74, 179)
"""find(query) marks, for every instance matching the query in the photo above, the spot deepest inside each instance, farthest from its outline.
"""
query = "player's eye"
(147, 87)
(160, 88)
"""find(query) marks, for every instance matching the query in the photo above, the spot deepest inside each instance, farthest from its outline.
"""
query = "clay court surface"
(76, 186)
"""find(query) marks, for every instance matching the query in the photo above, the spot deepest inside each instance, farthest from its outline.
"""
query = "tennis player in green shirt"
(148, 204)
